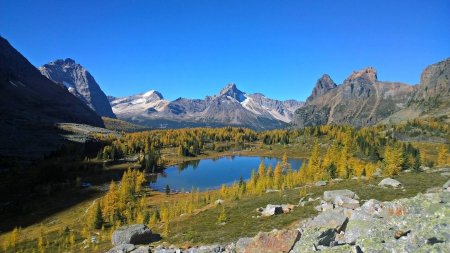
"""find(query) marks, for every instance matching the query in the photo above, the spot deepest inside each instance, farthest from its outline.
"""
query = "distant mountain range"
(29, 100)
(230, 107)
(363, 100)
(80, 83)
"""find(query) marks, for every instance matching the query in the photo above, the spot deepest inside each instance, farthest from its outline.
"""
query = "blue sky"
(194, 48)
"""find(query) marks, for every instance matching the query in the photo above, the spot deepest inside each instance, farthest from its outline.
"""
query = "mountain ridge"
(363, 100)
(229, 106)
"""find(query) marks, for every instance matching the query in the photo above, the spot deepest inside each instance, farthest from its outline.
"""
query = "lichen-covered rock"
(133, 234)
(311, 238)
(142, 249)
(361, 229)
(328, 219)
(162, 249)
(327, 206)
(211, 249)
(358, 215)
(390, 182)
(241, 244)
(346, 202)
(330, 195)
(372, 206)
(206, 249)
(122, 248)
(273, 242)
(447, 184)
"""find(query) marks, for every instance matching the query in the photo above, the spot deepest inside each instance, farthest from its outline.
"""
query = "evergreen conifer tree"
(98, 218)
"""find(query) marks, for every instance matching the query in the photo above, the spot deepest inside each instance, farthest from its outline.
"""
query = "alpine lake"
(212, 173)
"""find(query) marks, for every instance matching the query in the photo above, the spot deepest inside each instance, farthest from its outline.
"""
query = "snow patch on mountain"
(68, 85)
(250, 105)
(145, 103)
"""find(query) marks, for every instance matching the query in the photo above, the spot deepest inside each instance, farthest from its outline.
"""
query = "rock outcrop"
(80, 83)
(273, 242)
(361, 100)
(133, 234)
(430, 98)
(417, 224)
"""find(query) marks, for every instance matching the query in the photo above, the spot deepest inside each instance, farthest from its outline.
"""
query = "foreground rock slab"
(328, 219)
(133, 234)
(273, 242)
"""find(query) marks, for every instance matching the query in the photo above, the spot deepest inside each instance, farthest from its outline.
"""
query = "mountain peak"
(80, 83)
(232, 91)
(366, 75)
(153, 94)
(69, 61)
(323, 85)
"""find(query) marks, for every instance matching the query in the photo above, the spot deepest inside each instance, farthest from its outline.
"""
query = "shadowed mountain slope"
(31, 104)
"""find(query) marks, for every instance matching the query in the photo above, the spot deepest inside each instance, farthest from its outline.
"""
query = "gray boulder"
(390, 182)
(133, 234)
(447, 184)
(313, 238)
(346, 202)
(327, 206)
(330, 195)
(241, 244)
(273, 242)
(358, 215)
(162, 249)
(210, 249)
(328, 219)
(122, 248)
(272, 210)
(321, 183)
(142, 249)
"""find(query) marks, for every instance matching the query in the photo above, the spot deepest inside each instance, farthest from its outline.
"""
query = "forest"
(131, 159)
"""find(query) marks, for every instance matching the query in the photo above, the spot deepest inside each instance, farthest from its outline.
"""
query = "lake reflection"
(212, 173)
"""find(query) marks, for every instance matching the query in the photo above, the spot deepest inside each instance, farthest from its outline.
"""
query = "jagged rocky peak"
(365, 76)
(68, 62)
(80, 83)
(232, 91)
(323, 85)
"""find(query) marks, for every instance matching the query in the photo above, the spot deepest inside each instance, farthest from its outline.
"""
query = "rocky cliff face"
(80, 83)
(430, 98)
(361, 100)
(30, 106)
(230, 107)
